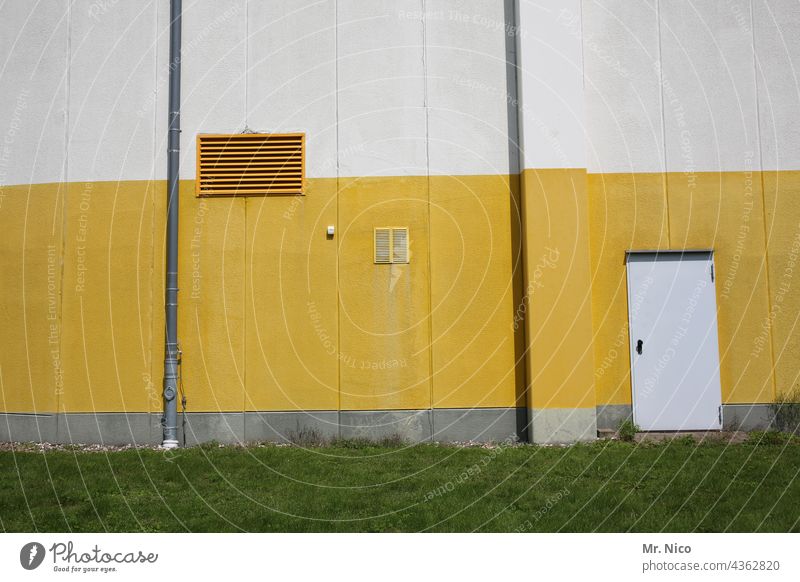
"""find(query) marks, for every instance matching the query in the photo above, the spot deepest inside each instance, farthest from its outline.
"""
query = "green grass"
(607, 486)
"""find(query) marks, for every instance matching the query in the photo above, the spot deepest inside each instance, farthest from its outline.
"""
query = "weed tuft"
(786, 411)
(306, 437)
(627, 431)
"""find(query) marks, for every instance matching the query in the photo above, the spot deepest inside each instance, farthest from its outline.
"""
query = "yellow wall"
(782, 195)
(276, 316)
(558, 299)
(476, 280)
(107, 297)
(31, 222)
(291, 314)
(211, 309)
(628, 211)
(273, 314)
(384, 309)
(723, 211)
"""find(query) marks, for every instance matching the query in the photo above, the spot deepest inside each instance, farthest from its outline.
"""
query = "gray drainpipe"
(171, 353)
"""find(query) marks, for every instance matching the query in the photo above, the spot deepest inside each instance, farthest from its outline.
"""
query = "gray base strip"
(747, 417)
(480, 424)
(442, 425)
(610, 416)
(297, 427)
(744, 417)
(39, 428)
(563, 425)
(139, 428)
(445, 425)
(411, 425)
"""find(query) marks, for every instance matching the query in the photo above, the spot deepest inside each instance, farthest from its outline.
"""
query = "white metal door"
(672, 309)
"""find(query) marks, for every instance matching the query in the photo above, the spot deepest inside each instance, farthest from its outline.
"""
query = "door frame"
(628, 253)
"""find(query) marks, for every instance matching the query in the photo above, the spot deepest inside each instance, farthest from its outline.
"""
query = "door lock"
(639, 345)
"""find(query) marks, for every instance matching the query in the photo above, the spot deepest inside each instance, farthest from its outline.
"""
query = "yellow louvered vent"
(250, 164)
(399, 245)
(391, 245)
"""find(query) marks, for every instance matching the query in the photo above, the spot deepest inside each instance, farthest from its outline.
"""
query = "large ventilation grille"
(250, 164)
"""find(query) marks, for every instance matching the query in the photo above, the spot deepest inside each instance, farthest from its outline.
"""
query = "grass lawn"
(606, 486)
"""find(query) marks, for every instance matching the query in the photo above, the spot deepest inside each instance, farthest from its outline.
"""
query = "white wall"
(550, 76)
(382, 91)
(623, 90)
(707, 58)
(111, 79)
(213, 72)
(715, 81)
(777, 41)
(377, 90)
(33, 58)
(381, 113)
(291, 79)
(471, 92)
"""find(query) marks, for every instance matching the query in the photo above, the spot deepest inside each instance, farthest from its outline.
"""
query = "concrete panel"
(471, 89)
(777, 42)
(291, 75)
(411, 425)
(33, 51)
(708, 86)
(610, 416)
(480, 424)
(111, 88)
(214, 62)
(623, 90)
(107, 428)
(289, 426)
(23, 428)
(381, 94)
(747, 417)
(223, 427)
(563, 425)
(550, 77)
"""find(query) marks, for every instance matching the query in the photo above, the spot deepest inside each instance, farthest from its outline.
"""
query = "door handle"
(639, 345)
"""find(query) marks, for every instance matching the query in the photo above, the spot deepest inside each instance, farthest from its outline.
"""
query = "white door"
(672, 309)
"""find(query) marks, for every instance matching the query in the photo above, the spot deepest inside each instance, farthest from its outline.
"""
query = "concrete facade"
(526, 146)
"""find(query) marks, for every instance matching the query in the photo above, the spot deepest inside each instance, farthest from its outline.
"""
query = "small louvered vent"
(399, 245)
(250, 164)
(383, 245)
(391, 245)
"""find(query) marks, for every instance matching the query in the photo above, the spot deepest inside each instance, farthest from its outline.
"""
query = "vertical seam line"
(67, 77)
(763, 202)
